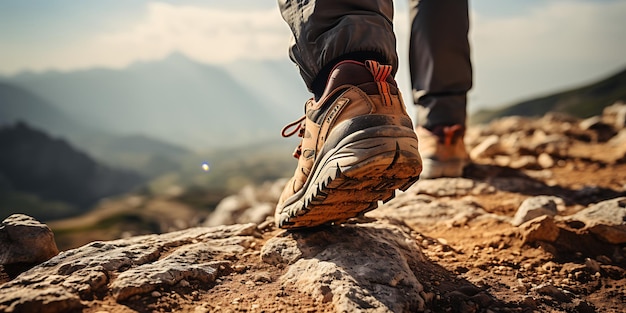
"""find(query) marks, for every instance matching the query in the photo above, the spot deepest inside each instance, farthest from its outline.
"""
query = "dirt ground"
(483, 257)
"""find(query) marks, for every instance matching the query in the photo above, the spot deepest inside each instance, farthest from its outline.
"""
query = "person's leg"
(441, 76)
(358, 144)
(327, 31)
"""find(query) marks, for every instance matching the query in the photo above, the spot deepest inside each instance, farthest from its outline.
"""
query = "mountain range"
(134, 152)
(176, 105)
(152, 116)
(176, 100)
(583, 101)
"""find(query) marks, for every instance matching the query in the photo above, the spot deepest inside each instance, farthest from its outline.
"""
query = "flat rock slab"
(447, 187)
(422, 210)
(125, 268)
(359, 268)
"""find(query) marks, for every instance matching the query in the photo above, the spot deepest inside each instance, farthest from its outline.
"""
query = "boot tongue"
(347, 73)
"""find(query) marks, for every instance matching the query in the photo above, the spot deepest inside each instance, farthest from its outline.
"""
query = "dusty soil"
(481, 264)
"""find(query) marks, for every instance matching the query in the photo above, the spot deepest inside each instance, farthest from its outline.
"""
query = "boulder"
(332, 265)
(23, 239)
(606, 220)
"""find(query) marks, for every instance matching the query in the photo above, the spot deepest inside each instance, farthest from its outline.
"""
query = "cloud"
(553, 45)
(209, 35)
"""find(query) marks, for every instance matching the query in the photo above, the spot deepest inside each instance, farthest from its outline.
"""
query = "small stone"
(529, 301)
(545, 160)
(550, 267)
(592, 265)
(155, 294)
(240, 268)
(524, 161)
(553, 292)
(487, 148)
(263, 277)
(615, 115)
(201, 309)
(589, 123)
(540, 229)
(604, 259)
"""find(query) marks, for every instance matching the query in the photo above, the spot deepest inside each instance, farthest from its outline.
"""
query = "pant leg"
(439, 60)
(325, 30)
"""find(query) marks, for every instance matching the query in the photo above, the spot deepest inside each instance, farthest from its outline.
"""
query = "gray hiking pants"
(328, 31)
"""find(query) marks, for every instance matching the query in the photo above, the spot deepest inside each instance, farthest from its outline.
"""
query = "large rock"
(606, 220)
(125, 268)
(23, 239)
(334, 265)
(535, 207)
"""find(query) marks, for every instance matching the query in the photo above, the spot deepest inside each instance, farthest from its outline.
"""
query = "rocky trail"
(536, 224)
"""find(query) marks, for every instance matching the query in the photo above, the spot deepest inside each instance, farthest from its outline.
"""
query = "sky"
(520, 49)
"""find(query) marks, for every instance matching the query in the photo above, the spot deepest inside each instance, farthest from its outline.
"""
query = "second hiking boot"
(443, 151)
(358, 146)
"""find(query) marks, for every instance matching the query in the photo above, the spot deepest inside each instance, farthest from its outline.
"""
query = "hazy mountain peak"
(175, 59)
(178, 57)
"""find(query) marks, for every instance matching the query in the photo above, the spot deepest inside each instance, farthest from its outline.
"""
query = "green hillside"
(582, 102)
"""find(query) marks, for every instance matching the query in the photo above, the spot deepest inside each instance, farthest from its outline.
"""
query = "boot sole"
(364, 168)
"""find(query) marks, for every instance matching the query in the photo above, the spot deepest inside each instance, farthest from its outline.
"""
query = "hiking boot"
(443, 151)
(358, 146)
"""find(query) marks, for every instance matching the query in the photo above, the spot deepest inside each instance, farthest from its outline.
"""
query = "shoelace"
(299, 128)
